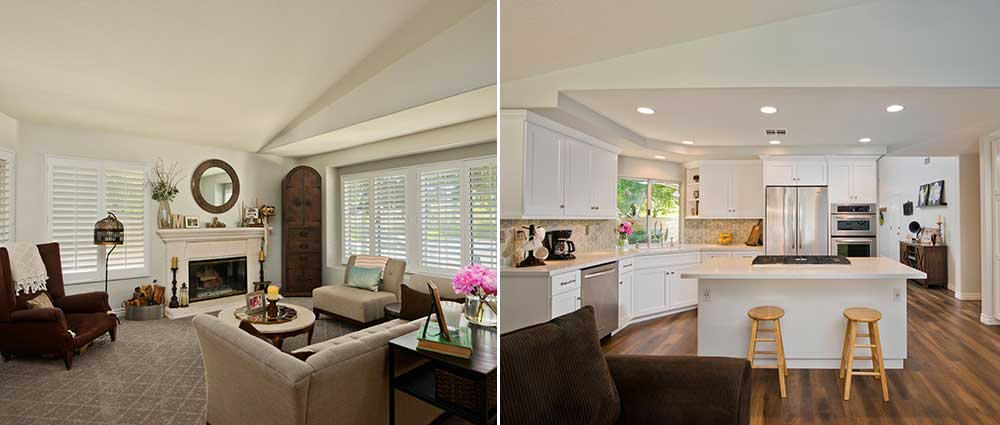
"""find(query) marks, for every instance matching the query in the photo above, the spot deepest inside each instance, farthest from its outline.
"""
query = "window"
(80, 192)
(652, 206)
(437, 217)
(6, 196)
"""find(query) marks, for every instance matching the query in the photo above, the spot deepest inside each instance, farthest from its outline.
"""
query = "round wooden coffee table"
(276, 333)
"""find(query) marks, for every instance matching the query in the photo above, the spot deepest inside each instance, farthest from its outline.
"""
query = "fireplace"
(216, 278)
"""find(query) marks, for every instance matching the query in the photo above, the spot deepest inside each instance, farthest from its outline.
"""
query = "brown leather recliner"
(45, 330)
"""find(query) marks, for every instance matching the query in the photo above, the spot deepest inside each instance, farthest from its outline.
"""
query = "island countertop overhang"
(860, 268)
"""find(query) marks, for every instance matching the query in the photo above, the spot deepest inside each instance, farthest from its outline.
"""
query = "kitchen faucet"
(657, 225)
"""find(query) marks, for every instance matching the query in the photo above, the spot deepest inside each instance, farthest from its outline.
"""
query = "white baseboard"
(969, 296)
(988, 320)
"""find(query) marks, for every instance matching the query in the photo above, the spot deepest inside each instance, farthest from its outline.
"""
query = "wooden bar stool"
(770, 314)
(854, 316)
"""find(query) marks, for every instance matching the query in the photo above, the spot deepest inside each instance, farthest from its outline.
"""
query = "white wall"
(260, 177)
(8, 133)
(899, 179)
(650, 169)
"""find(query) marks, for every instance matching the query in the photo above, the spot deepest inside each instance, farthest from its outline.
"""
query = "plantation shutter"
(390, 216)
(483, 214)
(73, 209)
(441, 218)
(125, 195)
(357, 217)
(6, 197)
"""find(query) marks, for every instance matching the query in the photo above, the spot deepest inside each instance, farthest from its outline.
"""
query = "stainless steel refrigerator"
(796, 221)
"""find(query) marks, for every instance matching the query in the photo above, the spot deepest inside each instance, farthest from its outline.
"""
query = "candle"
(940, 219)
(173, 262)
(272, 292)
(261, 255)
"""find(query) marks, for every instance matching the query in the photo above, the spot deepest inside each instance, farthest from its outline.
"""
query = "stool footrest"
(864, 345)
(864, 373)
(863, 358)
(764, 339)
(764, 366)
(765, 352)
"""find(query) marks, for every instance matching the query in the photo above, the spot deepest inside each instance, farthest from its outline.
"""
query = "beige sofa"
(346, 381)
(363, 306)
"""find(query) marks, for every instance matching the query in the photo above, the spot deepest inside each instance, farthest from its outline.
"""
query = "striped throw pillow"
(371, 262)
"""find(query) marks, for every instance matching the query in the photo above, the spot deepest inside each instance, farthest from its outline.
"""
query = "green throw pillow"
(364, 278)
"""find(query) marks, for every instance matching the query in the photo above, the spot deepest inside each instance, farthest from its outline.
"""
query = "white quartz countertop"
(589, 259)
(860, 268)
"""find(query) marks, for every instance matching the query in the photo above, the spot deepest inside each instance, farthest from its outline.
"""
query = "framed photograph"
(935, 195)
(256, 302)
(922, 195)
(192, 222)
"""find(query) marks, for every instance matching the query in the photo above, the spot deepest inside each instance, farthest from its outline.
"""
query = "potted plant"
(479, 285)
(624, 231)
(163, 185)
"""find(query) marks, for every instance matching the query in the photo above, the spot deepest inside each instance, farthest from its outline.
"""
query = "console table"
(930, 259)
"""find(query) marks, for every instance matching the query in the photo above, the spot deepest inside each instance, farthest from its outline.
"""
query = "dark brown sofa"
(556, 373)
(45, 330)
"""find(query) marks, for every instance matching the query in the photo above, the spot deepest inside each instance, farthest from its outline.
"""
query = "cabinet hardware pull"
(562, 206)
(567, 282)
(588, 276)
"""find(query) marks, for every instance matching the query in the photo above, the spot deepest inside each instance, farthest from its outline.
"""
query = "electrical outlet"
(897, 295)
(706, 295)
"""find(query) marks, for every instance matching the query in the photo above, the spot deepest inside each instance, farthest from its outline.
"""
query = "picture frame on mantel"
(192, 222)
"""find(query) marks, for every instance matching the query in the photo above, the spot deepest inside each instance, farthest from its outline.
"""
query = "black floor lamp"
(109, 231)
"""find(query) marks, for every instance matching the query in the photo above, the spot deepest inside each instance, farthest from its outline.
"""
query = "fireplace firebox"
(216, 278)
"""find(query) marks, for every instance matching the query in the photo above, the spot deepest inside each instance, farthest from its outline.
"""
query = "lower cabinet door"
(649, 291)
(566, 302)
(683, 292)
(625, 282)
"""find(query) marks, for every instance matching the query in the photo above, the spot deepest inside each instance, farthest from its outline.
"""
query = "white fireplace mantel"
(206, 244)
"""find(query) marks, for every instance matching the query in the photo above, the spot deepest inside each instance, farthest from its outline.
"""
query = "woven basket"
(463, 392)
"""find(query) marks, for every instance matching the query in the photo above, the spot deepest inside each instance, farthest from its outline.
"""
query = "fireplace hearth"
(217, 278)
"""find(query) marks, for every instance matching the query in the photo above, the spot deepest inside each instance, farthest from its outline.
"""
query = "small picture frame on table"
(192, 222)
(256, 302)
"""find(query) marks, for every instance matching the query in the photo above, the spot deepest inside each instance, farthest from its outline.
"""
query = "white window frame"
(9, 156)
(413, 221)
(71, 278)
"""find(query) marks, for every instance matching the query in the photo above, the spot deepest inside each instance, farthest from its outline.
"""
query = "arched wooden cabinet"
(301, 224)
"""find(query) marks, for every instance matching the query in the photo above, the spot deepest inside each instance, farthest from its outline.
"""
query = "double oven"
(853, 229)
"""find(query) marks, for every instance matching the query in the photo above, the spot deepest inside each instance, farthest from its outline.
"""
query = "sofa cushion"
(360, 335)
(364, 278)
(42, 300)
(353, 303)
(555, 373)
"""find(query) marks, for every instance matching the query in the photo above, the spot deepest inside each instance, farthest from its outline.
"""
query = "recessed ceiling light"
(769, 109)
(687, 142)
(659, 157)
(644, 110)
(894, 108)
(775, 142)
(865, 139)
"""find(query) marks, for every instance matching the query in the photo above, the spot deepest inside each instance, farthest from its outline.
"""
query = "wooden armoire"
(301, 224)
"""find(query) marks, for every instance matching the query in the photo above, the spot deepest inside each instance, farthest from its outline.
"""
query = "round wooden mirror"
(215, 186)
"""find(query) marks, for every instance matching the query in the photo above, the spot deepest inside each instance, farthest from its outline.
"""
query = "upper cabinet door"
(810, 172)
(579, 179)
(543, 180)
(779, 173)
(714, 191)
(748, 190)
(864, 182)
(839, 189)
(604, 187)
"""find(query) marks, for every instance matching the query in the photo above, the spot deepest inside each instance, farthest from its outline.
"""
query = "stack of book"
(460, 344)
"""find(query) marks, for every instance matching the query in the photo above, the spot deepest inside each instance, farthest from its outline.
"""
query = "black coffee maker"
(559, 245)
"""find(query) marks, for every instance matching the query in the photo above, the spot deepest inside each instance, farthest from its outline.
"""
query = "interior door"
(748, 191)
(543, 179)
(714, 190)
(579, 179)
(864, 182)
(813, 221)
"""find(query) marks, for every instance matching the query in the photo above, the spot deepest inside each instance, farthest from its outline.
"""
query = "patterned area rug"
(152, 374)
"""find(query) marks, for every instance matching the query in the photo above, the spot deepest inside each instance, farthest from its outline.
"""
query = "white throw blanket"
(27, 268)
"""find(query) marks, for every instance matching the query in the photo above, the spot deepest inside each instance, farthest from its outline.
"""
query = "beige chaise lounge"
(346, 381)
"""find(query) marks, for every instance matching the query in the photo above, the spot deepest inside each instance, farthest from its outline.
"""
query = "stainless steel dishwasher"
(599, 289)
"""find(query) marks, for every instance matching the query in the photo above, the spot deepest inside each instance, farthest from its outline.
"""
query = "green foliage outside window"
(664, 205)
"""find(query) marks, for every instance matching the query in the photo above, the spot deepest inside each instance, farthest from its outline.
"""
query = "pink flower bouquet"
(479, 284)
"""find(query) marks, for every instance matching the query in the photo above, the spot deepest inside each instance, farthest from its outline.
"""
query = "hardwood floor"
(952, 375)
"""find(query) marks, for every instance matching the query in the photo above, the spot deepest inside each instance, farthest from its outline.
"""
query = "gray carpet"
(152, 374)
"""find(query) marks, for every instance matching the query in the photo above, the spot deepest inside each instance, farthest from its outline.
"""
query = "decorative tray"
(285, 314)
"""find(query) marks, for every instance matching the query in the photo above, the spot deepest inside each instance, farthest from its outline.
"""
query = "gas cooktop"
(763, 260)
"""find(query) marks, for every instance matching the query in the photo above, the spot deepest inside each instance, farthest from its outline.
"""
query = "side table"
(421, 382)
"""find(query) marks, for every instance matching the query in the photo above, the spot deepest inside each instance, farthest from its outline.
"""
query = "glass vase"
(163, 215)
(481, 311)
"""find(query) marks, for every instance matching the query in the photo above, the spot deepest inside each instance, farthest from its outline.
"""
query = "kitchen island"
(813, 297)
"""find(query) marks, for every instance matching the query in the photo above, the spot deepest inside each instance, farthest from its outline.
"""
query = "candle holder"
(272, 308)
(173, 290)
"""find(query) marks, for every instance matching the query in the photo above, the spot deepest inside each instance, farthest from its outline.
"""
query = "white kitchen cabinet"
(563, 173)
(649, 291)
(853, 180)
(795, 171)
(566, 302)
(625, 284)
(683, 292)
(731, 189)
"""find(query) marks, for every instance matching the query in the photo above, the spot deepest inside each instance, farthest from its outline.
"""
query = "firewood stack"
(146, 295)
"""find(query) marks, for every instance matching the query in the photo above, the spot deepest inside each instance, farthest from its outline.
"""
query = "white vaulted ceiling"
(219, 72)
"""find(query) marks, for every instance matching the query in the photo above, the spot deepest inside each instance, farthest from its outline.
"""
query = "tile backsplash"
(600, 238)
(707, 231)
